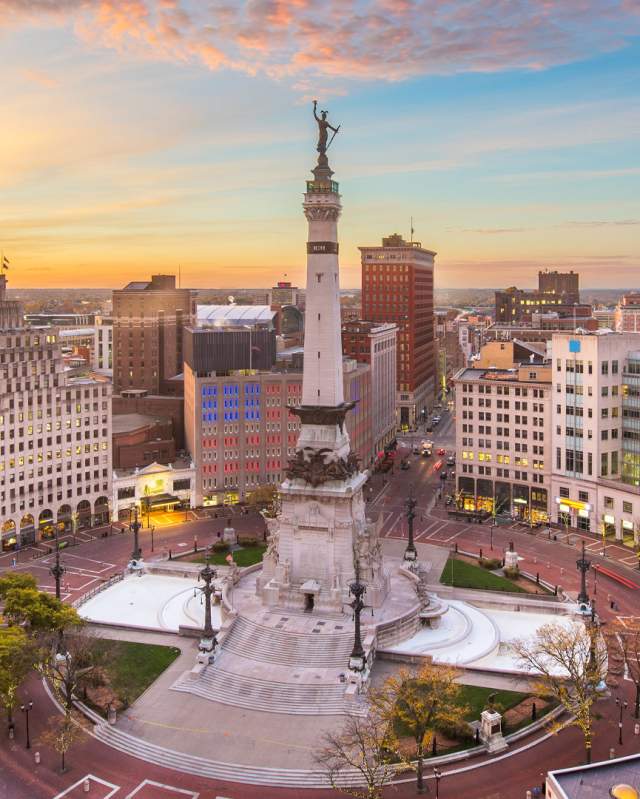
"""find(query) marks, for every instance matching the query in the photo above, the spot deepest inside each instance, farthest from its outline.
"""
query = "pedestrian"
(13, 561)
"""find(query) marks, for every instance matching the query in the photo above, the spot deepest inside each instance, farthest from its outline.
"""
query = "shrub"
(220, 546)
(490, 563)
(249, 542)
(512, 573)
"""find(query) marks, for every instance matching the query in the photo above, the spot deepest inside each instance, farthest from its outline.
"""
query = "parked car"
(436, 419)
(405, 465)
(451, 460)
(442, 451)
(448, 500)
(416, 450)
(443, 475)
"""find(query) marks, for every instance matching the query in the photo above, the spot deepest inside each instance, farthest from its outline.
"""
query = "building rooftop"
(76, 331)
(234, 315)
(127, 422)
(495, 374)
(596, 780)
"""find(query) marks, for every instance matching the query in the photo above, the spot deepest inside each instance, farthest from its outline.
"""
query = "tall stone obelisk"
(321, 531)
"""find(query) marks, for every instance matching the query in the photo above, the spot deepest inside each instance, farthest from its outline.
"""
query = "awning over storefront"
(161, 499)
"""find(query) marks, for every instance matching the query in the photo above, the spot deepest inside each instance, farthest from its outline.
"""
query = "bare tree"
(570, 664)
(70, 663)
(61, 733)
(625, 639)
(359, 759)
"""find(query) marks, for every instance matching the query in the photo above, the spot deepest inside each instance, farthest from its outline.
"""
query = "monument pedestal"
(491, 731)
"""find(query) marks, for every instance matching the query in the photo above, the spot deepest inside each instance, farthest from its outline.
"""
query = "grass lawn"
(461, 574)
(246, 556)
(475, 697)
(132, 667)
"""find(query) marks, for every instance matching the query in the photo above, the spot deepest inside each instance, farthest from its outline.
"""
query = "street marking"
(152, 783)
(91, 778)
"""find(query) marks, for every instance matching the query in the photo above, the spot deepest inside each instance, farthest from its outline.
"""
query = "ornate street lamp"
(57, 570)
(357, 591)
(208, 641)
(135, 526)
(410, 552)
(26, 709)
(583, 567)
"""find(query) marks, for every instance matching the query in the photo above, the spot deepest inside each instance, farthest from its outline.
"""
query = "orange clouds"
(345, 39)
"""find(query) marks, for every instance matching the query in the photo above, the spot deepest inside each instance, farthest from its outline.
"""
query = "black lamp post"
(207, 575)
(410, 552)
(135, 526)
(583, 566)
(437, 775)
(26, 709)
(357, 590)
(622, 705)
(57, 570)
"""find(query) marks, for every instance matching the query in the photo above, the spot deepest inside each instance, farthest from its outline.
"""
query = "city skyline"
(147, 136)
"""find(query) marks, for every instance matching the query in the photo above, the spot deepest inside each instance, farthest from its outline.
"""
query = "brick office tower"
(149, 318)
(397, 286)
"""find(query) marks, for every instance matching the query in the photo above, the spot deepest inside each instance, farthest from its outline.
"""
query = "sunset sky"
(139, 135)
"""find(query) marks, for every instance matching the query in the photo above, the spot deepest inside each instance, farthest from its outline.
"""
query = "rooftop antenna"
(412, 230)
(179, 274)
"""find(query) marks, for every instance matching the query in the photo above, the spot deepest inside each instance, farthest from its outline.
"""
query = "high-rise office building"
(376, 344)
(397, 286)
(55, 432)
(149, 318)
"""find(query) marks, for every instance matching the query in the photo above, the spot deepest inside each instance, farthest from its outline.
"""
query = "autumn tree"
(61, 733)
(18, 656)
(569, 663)
(419, 702)
(13, 580)
(264, 497)
(38, 611)
(624, 636)
(359, 759)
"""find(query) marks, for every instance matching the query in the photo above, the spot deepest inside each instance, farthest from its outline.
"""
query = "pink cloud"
(347, 39)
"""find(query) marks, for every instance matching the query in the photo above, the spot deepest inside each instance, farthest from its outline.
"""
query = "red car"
(442, 451)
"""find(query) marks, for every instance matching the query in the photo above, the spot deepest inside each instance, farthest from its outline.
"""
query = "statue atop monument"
(323, 130)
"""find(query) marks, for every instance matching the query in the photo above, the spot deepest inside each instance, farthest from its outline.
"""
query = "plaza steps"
(269, 696)
(303, 650)
(212, 769)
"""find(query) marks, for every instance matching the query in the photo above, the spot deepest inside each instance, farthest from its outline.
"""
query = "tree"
(39, 611)
(365, 745)
(18, 656)
(16, 580)
(60, 735)
(418, 703)
(570, 663)
(69, 666)
(264, 497)
(625, 638)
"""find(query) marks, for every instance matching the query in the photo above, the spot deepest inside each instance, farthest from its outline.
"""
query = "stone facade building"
(55, 434)
(376, 344)
(149, 317)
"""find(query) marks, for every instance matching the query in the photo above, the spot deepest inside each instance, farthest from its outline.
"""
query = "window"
(604, 464)
(608, 502)
(564, 491)
(627, 507)
(604, 368)
(583, 496)
(614, 367)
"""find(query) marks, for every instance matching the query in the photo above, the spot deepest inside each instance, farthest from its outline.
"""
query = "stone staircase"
(213, 769)
(329, 650)
(254, 693)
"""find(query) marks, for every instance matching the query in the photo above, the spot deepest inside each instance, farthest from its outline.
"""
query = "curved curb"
(274, 777)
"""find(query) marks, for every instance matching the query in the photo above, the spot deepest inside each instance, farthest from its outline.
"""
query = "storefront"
(9, 537)
(608, 525)
(484, 495)
(574, 513)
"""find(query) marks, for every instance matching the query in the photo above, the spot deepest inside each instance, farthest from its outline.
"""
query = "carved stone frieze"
(322, 415)
(317, 466)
